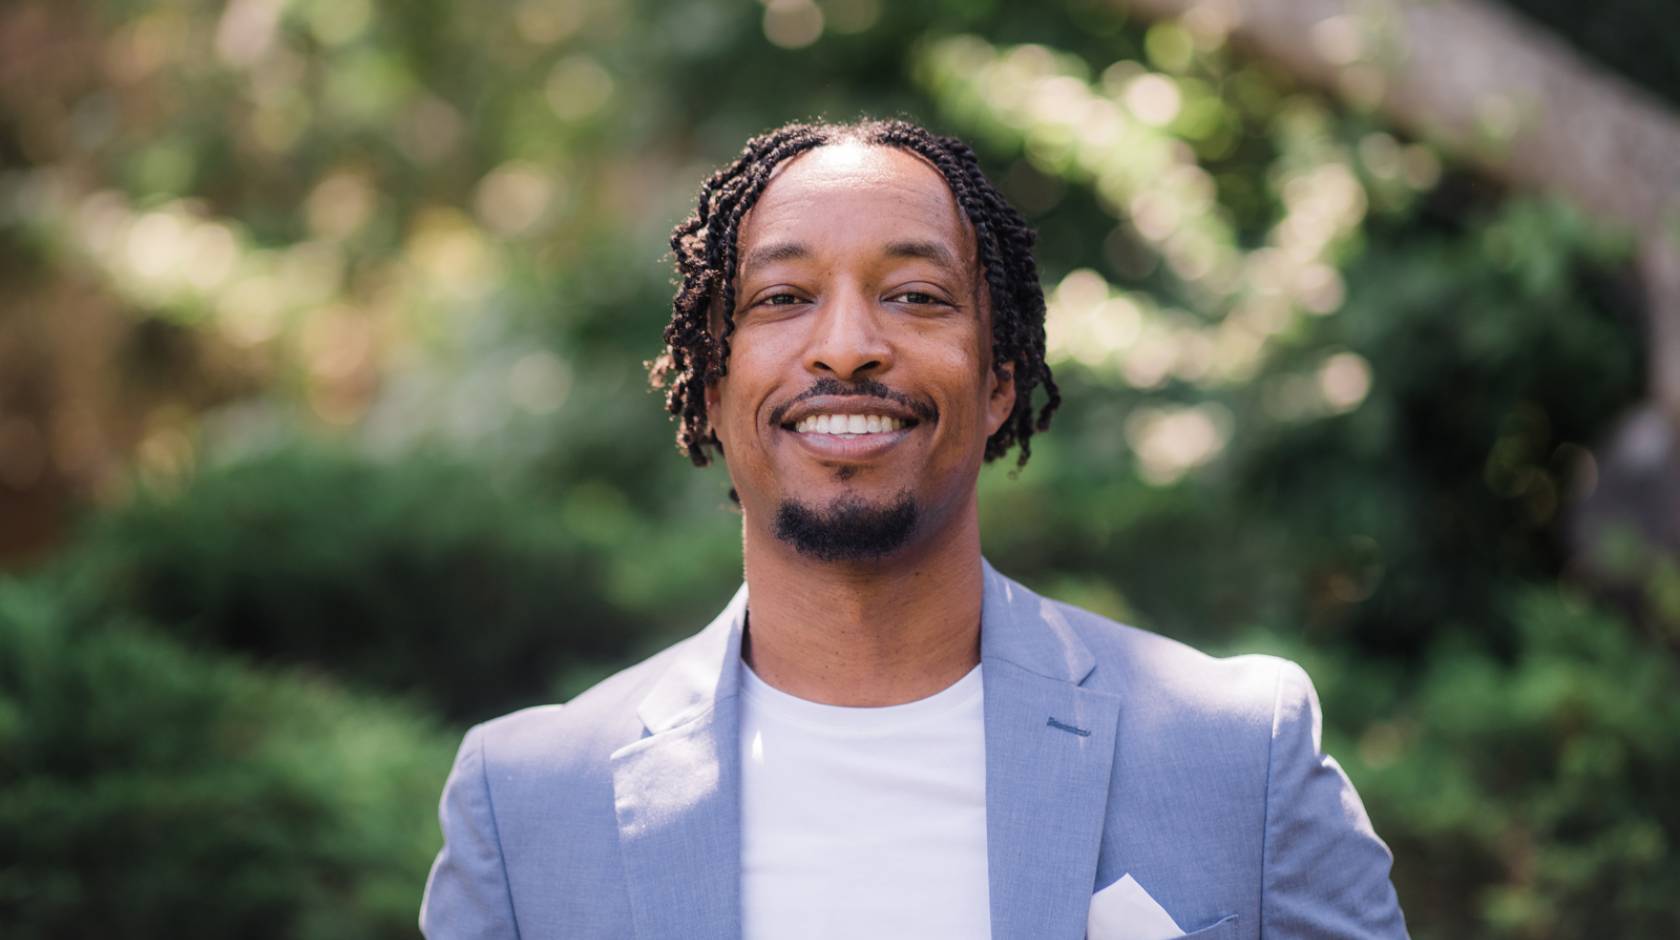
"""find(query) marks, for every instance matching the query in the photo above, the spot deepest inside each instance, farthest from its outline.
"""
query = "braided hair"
(705, 248)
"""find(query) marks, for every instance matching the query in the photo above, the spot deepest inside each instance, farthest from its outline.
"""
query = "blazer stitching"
(1266, 817)
(683, 720)
(1029, 670)
(495, 830)
(624, 869)
(1057, 675)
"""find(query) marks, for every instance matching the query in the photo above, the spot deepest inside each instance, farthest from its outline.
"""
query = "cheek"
(966, 380)
(732, 403)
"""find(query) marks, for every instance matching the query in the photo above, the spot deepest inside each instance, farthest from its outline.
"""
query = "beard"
(849, 529)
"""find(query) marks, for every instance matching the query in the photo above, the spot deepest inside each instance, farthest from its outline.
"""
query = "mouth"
(849, 425)
(849, 428)
(850, 416)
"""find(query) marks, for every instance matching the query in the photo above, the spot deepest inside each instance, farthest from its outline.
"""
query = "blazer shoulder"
(1177, 678)
(581, 734)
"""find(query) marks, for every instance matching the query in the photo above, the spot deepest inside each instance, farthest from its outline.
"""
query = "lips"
(847, 447)
(838, 410)
(851, 428)
(840, 423)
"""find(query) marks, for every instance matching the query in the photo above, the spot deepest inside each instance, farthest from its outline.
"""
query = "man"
(881, 736)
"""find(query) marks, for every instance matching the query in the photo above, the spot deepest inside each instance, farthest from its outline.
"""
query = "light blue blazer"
(1109, 751)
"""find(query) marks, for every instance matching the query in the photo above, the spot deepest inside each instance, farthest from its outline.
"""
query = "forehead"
(857, 196)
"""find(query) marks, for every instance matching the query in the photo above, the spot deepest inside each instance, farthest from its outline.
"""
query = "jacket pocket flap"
(1222, 929)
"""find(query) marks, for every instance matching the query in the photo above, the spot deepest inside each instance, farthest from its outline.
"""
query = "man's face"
(859, 393)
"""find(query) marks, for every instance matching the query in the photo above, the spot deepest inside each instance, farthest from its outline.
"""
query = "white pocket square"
(1124, 911)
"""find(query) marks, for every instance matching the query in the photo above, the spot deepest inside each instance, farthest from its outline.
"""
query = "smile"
(863, 426)
(848, 438)
(848, 424)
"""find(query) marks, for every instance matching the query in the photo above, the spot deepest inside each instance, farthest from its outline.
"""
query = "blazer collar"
(1019, 627)
(677, 792)
(703, 670)
(1049, 753)
(1049, 750)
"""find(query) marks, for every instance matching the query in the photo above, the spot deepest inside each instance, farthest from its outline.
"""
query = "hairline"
(856, 134)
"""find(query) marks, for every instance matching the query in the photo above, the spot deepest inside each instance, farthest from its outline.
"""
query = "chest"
(864, 829)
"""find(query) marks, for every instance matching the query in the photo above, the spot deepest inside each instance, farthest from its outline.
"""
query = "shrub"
(421, 576)
(1532, 795)
(150, 791)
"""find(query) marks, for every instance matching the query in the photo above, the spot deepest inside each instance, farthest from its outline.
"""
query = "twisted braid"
(705, 247)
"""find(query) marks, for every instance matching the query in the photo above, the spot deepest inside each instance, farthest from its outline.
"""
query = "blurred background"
(325, 432)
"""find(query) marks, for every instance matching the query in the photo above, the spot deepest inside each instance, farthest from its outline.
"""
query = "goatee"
(849, 529)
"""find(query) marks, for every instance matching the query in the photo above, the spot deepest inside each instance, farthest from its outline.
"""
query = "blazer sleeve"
(467, 895)
(1325, 871)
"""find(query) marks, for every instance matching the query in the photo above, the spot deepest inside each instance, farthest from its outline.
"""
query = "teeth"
(847, 424)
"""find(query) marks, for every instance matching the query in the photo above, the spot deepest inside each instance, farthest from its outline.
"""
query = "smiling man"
(881, 736)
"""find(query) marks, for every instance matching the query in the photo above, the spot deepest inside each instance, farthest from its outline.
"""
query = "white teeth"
(847, 424)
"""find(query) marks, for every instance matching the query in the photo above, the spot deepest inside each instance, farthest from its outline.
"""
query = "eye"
(783, 299)
(920, 298)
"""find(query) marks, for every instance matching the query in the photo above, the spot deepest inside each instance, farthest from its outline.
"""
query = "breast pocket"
(1223, 929)
(1125, 911)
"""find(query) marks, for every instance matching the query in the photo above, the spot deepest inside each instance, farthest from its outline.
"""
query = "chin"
(848, 527)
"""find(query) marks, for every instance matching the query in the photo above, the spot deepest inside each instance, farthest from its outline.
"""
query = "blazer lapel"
(677, 792)
(1049, 752)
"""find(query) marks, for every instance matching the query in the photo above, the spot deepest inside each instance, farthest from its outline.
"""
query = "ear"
(1000, 402)
(712, 407)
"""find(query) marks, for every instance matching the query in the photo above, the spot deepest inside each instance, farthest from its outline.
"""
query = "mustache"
(922, 410)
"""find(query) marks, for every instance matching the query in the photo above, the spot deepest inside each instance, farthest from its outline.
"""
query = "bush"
(421, 576)
(1499, 355)
(1532, 796)
(150, 791)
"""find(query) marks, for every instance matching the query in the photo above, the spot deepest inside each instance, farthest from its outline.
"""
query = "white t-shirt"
(863, 822)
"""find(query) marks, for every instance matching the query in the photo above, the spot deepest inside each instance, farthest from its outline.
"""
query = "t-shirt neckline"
(779, 705)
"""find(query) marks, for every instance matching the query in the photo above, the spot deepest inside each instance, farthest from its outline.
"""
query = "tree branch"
(1486, 85)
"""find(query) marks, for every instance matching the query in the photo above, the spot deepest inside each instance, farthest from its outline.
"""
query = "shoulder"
(580, 735)
(1166, 682)
(1242, 733)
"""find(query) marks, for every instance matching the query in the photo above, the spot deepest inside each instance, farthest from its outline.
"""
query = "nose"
(850, 341)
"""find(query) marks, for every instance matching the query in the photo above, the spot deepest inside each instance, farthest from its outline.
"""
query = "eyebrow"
(927, 251)
(779, 251)
(798, 251)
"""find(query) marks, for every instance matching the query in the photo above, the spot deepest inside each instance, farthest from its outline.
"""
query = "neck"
(871, 633)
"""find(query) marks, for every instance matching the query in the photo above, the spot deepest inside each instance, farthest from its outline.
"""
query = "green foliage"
(149, 791)
(423, 576)
(1314, 383)
(1409, 515)
(1531, 795)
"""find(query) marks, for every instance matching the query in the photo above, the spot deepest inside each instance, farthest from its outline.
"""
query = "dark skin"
(857, 264)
